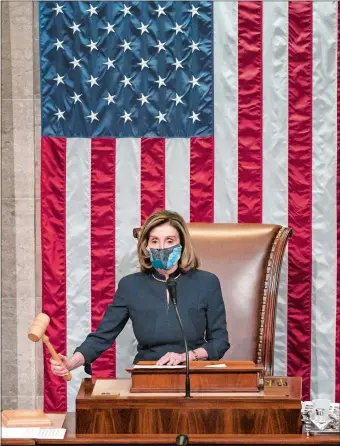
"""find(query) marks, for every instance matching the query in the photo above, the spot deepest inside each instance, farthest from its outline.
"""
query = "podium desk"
(207, 440)
(218, 413)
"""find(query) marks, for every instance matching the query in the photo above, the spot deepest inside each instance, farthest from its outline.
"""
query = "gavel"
(37, 332)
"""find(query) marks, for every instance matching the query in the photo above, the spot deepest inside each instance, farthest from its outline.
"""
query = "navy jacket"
(142, 298)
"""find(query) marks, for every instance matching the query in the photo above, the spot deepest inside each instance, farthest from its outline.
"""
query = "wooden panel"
(236, 376)
(175, 382)
(148, 421)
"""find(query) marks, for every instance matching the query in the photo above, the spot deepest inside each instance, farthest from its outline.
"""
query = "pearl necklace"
(164, 281)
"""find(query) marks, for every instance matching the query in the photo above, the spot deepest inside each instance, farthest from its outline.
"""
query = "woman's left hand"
(171, 358)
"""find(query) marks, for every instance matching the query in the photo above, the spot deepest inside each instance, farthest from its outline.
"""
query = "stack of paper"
(33, 432)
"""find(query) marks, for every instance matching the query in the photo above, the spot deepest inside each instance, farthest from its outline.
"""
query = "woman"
(164, 250)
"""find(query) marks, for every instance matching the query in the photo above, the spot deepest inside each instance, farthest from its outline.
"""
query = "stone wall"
(21, 365)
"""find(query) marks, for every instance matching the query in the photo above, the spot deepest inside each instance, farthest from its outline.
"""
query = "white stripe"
(78, 257)
(177, 176)
(324, 199)
(128, 211)
(225, 111)
(275, 148)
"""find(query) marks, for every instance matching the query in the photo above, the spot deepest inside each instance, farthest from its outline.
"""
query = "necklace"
(162, 280)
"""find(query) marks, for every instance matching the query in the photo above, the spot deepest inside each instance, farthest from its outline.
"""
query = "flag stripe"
(225, 111)
(202, 179)
(128, 212)
(275, 149)
(78, 256)
(300, 191)
(53, 222)
(103, 167)
(324, 198)
(152, 176)
(337, 344)
(250, 112)
(177, 176)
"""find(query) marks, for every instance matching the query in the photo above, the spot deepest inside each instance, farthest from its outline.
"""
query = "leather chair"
(247, 258)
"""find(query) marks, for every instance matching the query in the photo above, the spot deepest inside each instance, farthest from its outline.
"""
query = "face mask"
(165, 258)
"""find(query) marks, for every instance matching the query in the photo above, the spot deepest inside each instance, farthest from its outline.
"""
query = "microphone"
(171, 285)
(182, 440)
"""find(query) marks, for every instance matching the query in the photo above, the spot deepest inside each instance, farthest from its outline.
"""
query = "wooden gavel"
(37, 332)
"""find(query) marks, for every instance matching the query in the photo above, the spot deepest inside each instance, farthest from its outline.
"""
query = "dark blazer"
(142, 298)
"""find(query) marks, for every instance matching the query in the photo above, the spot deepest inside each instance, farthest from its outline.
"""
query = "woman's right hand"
(60, 368)
(67, 364)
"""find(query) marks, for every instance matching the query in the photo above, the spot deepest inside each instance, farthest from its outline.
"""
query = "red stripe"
(53, 219)
(337, 345)
(103, 167)
(201, 179)
(152, 176)
(250, 112)
(300, 191)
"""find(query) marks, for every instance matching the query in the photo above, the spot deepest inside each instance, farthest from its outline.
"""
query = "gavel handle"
(55, 355)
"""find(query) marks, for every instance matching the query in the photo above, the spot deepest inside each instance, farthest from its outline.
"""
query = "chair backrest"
(247, 259)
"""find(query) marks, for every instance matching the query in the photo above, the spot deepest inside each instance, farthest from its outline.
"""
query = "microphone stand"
(172, 288)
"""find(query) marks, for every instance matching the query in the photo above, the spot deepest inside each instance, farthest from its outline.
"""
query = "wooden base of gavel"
(37, 332)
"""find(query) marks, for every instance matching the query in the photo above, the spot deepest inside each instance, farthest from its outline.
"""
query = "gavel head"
(38, 327)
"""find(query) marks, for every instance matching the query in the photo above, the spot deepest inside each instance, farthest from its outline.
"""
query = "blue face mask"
(165, 258)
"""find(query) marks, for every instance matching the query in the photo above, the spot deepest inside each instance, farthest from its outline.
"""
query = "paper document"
(159, 366)
(33, 432)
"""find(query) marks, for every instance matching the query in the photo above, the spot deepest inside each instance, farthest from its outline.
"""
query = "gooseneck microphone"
(171, 285)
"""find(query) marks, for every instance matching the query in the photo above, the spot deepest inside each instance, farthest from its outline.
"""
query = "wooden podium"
(236, 376)
(208, 412)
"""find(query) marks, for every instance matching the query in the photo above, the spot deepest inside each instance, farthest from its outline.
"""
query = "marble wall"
(21, 365)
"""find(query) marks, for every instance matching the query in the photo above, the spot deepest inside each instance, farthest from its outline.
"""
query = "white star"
(76, 97)
(60, 114)
(59, 44)
(126, 10)
(178, 99)
(109, 98)
(143, 28)
(58, 9)
(92, 10)
(110, 28)
(144, 99)
(126, 46)
(93, 116)
(126, 81)
(161, 117)
(194, 81)
(160, 10)
(126, 116)
(93, 81)
(194, 117)
(160, 46)
(143, 64)
(178, 28)
(194, 46)
(194, 11)
(75, 27)
(75, 62)
(178, 64)
(59, 79)
(109, 63)
(92, 45)
(161, 82)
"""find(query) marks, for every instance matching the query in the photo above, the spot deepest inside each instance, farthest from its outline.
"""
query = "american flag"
(222, 111)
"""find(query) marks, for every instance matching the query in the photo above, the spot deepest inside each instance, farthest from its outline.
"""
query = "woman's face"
(163, 236)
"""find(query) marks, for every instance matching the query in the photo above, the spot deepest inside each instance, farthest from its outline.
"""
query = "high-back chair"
(247, 258)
